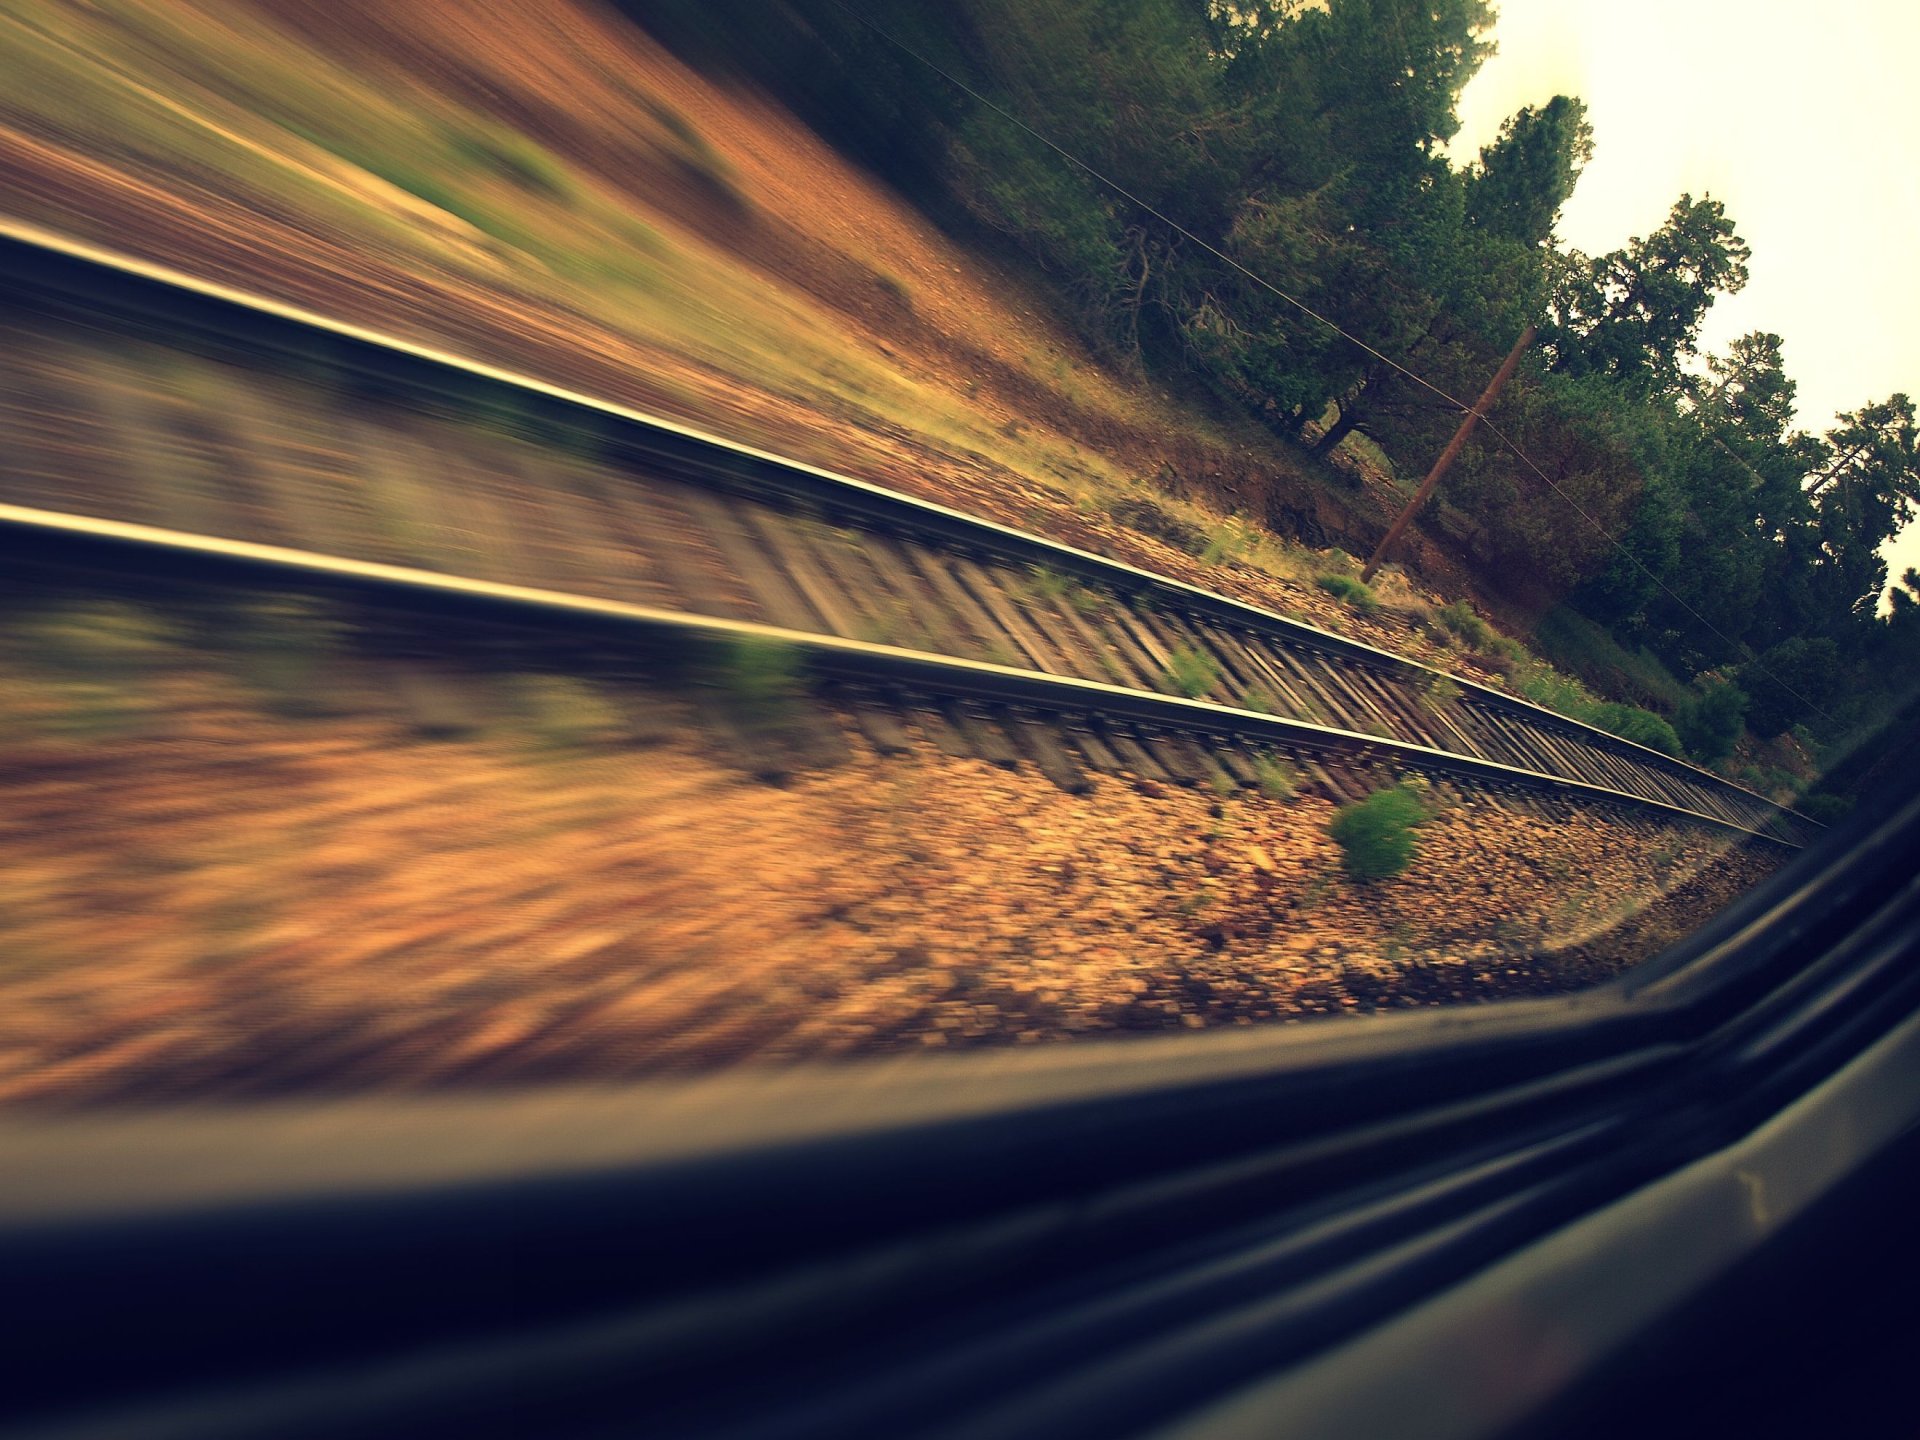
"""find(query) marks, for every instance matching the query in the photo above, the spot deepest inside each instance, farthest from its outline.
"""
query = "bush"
(1468, 627)
(1825, 808)
(1643, 727)
(1345, 587)
(1496, 650)
(1375, 835)
(1709, 722)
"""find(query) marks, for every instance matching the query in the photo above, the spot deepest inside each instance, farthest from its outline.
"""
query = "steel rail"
(28, 250)
(123, 549)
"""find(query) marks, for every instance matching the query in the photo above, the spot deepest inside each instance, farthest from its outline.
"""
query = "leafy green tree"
(1635, 313)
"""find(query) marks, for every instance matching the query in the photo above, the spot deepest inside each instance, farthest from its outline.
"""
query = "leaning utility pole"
(1494, 386)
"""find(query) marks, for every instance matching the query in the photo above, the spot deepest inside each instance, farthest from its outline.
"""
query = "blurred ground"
(228, 878)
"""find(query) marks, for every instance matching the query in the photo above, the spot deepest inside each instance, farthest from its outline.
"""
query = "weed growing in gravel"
(1278, 780)
(1227, 542)
(105, 639)
(1258, 701)
(1045, 583)
(1345, 587)
(279, 644)
(93, 657)
(1222, 786)
(1087, 601)
(1002, 654)
(1375, 835)
(1191, 673)
(1441, 692)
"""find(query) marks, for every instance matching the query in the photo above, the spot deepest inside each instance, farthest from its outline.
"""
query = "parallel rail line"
(1104, 726)
(719, 540)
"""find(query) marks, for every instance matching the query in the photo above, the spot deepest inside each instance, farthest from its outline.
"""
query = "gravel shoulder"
(207, 896)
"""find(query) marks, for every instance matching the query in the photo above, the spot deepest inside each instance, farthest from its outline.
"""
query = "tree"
(1528, 173)
(1634, 314)
(1789, 683)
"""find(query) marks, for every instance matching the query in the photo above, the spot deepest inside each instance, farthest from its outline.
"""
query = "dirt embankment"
(547, 188)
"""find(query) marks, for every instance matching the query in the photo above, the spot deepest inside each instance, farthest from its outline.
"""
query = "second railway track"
(980, 631)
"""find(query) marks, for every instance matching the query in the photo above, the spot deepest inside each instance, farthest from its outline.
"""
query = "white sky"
(1804, 120)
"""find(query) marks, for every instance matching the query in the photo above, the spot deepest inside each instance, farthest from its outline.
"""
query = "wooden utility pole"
(1454, 446)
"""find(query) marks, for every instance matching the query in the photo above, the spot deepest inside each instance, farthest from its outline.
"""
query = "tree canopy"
(1670, 496)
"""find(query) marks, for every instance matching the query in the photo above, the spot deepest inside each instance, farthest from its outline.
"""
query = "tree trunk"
(1343, 426)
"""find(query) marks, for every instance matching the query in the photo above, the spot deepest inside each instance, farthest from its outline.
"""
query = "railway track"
(984, 639)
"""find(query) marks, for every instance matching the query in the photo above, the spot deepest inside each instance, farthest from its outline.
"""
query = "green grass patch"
(1575, 644)
(1191, 673)
(1375, 835)
(1345, 587)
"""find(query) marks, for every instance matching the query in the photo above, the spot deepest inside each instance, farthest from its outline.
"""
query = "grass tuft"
(1191, 673)
(1345, 587)
(1277, 779)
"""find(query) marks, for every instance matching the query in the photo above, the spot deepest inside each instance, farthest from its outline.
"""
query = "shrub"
(1643, 727)
(1459, 618)
(1825, 808)
(1789, 683)
(1375, 835)
(1709, 722)
(1191, 673)
(1345, 587)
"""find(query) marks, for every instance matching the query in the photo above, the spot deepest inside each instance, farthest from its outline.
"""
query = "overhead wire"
(1736, 646)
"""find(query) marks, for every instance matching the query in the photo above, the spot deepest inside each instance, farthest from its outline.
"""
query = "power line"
(1733, 645)
(1157, 214)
